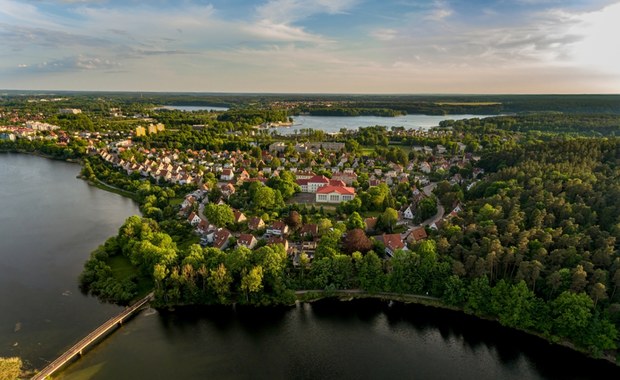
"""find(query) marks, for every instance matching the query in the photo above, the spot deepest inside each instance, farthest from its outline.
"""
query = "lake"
(332, 124)
(51, 221)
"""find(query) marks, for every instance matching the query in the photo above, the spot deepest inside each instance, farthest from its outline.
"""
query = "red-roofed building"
(392, 242)
(278, 240)
(247, 240)
(277, 228)
(221, 238)
(416, 235)
(336, 182)
(193, 219)
(256, 223)
(311, 185)
(309, 230)
(227, 175)
(239, 217)
(371, 223)
(334, 194)
(347, 178)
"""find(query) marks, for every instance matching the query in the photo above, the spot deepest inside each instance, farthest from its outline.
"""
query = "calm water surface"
(327, 340)
(50, 221)
(332, 124)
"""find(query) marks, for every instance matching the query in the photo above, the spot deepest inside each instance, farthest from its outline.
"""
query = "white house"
(247, 240)
(409, 212)
(277, 228)
(227, 175)
(335, 194)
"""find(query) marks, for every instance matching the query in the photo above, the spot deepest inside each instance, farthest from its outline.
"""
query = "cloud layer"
(311, 46)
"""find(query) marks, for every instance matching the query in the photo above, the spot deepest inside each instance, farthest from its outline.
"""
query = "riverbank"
(351, 294)
(109, 188)
(42, 155)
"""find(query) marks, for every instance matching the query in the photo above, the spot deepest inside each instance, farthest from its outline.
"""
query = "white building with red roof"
(334, 194)
(311, 185)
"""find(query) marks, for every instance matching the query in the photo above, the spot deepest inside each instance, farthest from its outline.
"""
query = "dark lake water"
(50, 221)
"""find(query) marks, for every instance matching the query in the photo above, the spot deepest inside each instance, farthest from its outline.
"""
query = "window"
(334, 197)
(322, 197)
(346, 197)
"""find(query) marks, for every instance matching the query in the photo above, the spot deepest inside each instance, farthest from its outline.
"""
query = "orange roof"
(336, 189)
(393, 241)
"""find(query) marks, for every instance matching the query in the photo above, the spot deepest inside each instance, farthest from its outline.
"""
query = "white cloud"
(439, 12)
(270, 31)
(383, 34)
(598, 47)
(290, 11)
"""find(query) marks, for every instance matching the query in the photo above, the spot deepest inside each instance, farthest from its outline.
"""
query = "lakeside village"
(325, 175)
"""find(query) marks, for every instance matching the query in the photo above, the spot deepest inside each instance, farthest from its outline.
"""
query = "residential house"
(247, 240)
(392, 243)
(227, 175)
(221, 238)
(371, 223)
(409, 212)
(239, 217)
(256, 223)
(193, 219)
(309, 246)
(425, 167)
(277, 228)
(347, 177)
(417, 234)
(309, 230)
(278, 240)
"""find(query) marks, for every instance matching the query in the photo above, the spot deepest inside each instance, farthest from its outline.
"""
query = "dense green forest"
(577, 124)
(130, 102)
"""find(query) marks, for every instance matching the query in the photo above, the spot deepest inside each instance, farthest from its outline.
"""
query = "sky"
(312, 46)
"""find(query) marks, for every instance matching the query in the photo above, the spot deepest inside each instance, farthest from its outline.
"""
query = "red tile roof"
(393, 242)
(336, 189)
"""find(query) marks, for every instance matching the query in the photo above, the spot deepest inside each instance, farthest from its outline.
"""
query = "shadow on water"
(253, 320)
(510, 346)
(333, 309)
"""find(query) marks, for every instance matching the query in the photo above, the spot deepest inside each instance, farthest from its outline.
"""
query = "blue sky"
(324, 46)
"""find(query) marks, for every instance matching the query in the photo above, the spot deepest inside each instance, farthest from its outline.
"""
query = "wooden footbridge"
(91, 338)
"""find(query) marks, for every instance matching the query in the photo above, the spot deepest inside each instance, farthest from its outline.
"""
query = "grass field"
(122, 269)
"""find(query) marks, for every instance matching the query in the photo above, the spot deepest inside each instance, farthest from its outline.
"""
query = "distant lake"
(195, 108)
(332, 124)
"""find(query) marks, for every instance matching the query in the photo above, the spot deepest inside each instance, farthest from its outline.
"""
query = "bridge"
(91, 338)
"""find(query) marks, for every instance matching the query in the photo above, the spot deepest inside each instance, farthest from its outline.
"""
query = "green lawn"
(122, 269)
(176, 201)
